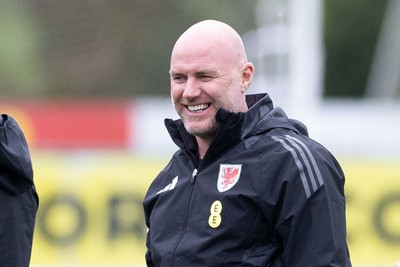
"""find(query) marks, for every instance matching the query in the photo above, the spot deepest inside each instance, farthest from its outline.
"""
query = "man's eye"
(205, 77)
(178, 78)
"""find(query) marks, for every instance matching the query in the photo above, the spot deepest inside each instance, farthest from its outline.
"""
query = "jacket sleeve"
(147, 210)
(18, 197)
(310, 224)
(149, 261)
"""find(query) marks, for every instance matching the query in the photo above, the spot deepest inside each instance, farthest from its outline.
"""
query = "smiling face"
(208, 71)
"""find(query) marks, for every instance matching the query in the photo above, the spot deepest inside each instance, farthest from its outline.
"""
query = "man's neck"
(203, 145)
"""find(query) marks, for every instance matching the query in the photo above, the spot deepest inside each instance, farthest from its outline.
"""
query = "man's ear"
(247, 76)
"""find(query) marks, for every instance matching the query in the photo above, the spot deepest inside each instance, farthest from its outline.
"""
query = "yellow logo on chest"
(215, 214)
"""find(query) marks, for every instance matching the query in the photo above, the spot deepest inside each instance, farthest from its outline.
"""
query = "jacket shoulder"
(15, 161)
(288, 157)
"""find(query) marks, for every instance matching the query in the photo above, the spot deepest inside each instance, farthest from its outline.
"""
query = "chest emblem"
(228, 176)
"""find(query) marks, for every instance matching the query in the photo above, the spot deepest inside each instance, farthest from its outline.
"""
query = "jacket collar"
(261, 117)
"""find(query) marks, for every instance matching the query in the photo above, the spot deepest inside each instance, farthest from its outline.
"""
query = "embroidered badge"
(228, 176)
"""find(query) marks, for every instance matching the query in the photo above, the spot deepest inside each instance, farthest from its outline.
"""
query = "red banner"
(73, 123)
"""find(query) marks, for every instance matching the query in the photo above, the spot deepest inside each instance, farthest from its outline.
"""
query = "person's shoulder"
(280, 138)
(171, 168)
(282, 147)
(288, 138)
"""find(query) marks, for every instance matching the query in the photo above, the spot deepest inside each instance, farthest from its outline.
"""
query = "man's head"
(209, 71)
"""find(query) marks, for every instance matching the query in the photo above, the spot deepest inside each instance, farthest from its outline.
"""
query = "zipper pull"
(194, 174)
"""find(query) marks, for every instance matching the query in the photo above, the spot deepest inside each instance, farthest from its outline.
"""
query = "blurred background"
(88, 82)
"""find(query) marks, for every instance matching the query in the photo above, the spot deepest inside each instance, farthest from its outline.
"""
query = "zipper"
(185, 218)
(194, 175)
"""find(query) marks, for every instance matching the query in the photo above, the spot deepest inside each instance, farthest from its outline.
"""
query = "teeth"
(198, 107)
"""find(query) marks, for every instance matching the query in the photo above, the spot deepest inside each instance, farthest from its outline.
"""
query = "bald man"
(247, 186)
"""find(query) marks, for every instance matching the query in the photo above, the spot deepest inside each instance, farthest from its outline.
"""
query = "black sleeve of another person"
(18, 198)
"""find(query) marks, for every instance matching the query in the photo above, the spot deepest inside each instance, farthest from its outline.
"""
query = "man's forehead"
(195, 50)
(198, 58)
(198, 67)
(205, 55)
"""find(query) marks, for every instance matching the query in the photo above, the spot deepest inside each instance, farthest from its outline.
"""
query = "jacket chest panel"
(207, 208)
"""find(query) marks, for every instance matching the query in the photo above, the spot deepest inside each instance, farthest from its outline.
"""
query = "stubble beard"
(206, 132)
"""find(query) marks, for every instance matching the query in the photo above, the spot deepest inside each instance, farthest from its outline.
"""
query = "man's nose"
(192, 88)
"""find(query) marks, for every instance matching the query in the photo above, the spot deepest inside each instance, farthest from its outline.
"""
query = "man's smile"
(198, 108)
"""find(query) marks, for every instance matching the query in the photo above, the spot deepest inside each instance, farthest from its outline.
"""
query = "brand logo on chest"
(228, 176)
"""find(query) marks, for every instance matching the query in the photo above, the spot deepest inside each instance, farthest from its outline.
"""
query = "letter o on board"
(384, 217)
(62, 220)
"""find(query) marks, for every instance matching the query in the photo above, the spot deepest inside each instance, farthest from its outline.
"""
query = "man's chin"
(202, 132)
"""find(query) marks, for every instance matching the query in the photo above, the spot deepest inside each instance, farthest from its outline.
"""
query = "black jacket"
(18, 197)
(265, 194)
